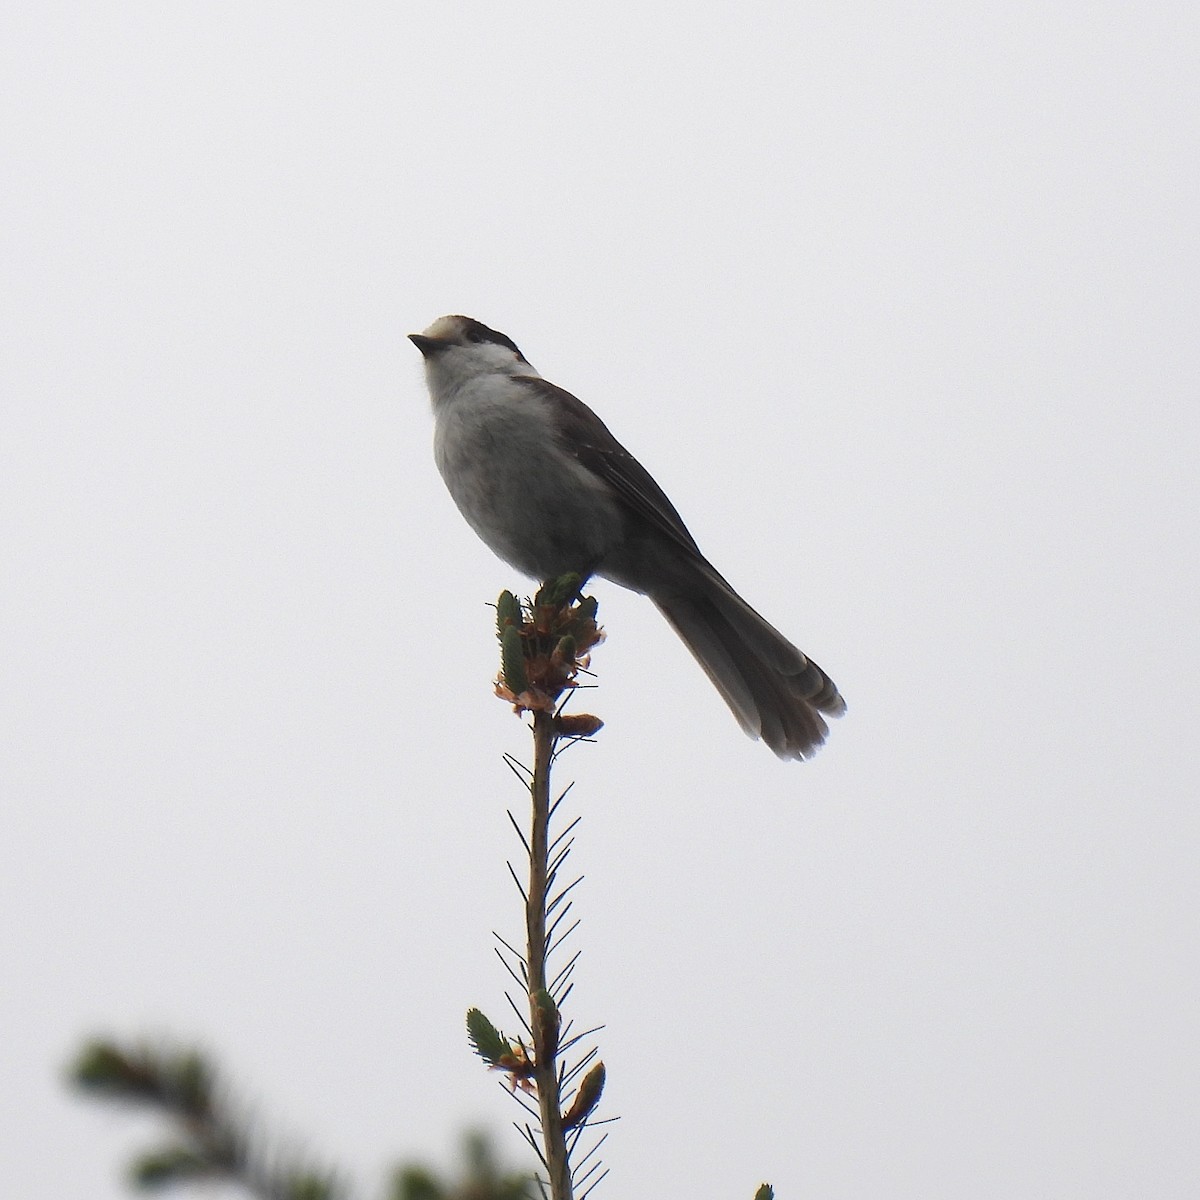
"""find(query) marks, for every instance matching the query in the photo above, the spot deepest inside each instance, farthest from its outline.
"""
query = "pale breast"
(518, 487)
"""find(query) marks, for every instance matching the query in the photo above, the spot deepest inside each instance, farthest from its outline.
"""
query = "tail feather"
(773, 690)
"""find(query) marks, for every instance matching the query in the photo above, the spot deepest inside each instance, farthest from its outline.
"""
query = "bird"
(550, 490)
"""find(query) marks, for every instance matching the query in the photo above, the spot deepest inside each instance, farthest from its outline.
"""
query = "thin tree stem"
(546, 1070)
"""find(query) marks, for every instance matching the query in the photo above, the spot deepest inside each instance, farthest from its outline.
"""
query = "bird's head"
(457, 349)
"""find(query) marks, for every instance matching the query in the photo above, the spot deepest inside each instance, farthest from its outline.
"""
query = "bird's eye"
(478, 333)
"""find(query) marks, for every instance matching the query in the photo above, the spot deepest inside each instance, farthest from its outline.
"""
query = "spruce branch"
(544, 646)
(545, 1050)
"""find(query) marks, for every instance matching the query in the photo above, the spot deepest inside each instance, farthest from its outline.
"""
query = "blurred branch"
(209, 1141)
(483, 1179)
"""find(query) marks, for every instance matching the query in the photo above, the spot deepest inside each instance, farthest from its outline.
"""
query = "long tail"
(774, 691)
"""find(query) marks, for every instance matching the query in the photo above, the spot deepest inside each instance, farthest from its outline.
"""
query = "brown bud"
(579, 725)
(586, 1098)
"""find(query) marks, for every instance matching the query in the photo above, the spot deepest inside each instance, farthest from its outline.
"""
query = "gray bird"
(541, 480)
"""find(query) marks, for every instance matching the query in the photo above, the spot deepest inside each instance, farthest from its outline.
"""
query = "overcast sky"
(897, 302)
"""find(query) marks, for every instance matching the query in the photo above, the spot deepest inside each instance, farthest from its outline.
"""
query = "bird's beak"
(428, 346)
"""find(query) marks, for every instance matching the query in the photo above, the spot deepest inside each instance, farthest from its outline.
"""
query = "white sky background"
(898, 304)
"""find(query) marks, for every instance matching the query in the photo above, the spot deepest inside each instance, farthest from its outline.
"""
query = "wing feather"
(588, 438)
